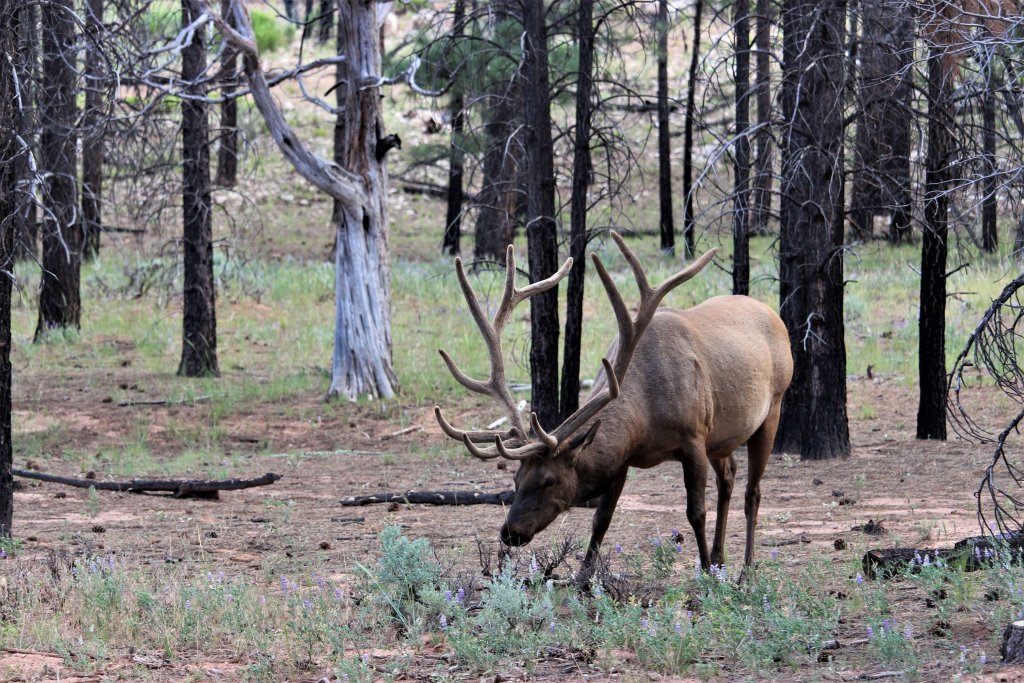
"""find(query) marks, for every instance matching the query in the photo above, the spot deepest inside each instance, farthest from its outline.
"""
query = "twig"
(401, 432)
(179, 487)
(164, 402)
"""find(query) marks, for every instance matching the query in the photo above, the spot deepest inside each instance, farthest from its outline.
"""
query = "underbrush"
(415, 608)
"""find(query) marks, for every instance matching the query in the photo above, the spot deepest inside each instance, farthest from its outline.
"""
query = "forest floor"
(922, 492)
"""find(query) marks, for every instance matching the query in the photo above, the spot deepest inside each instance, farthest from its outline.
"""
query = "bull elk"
(690, 386)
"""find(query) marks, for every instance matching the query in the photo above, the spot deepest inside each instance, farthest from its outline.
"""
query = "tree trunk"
(500, 198)
(94, 126)
(199, 338)
(741, 222)
(581, 179)
(326, 21)
(691, 99)
(666, 225)
(542, 245)
(931, 411)
(453, 218)
(227, 149)
(761, 196)
(989, 232)
(26, 122)
(59, 296)
(12, 13)
(362, 338)
(881, 177)
(814, 420)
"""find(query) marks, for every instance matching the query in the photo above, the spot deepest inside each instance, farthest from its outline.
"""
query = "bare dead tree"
(667, 227)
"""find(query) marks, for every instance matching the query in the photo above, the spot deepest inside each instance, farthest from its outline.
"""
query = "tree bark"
(761, 195)
(578, 205)
(931, 411)
(541, 235)
(666, 224)
(989, 230)
(814, 420)
(691, 99)
(94, 125)
(326, 21)
(741, 166)
(453, 218)
(199, 320)
(59, 295)
(12, 13)
(881, 177)
(26, 123)
(227, 148)
(361, 364)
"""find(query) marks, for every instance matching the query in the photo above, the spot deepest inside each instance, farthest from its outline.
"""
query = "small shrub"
(271, 34)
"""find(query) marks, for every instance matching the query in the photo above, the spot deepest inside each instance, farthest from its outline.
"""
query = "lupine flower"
(447, 596)
(188, 604)
(679, 548)
(3, 554)
(644, 624)
(871, 633)
(775, 554)
(551, 628)
(860, 579)
(656, 541)
(533, 566)
(618, 548)
(689, 615)
(444, 623)
(338, 594)
(93, 567)
(345, 678)
(983, 659)
(320, 584)
(887, 624)
(767, 606)
(366, 658)
(927, 560)
(460, 596)
(306, 604)
(917, 558)
(284, 586)
(677, 627)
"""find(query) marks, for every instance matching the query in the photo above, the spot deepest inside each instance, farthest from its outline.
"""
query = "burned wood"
(1012, 647)
(442, 498)
(164, 402)
(179, 488)
(970, 554)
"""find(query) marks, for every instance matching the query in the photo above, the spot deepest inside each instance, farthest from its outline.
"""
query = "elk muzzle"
(514, 537)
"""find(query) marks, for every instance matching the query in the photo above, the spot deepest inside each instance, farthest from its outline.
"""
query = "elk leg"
(603, 516)
(695, 477)
(759, 450)
(725, 471)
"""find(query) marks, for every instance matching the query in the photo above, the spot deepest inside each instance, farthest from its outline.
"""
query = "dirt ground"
(923, 492)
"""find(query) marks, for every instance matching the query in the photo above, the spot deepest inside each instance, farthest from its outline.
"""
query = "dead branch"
(179, 488)
(442, 498)
(971, 554)
(165, 402)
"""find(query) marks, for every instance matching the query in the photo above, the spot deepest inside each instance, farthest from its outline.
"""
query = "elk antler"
(631, 329)
(495, 385)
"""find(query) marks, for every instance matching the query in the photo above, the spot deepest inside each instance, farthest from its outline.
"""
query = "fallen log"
(442, 498)
(179, 488)
(970, 554)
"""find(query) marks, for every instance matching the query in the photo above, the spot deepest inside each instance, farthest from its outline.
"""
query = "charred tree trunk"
(26, 123)
(691, 99)
(814, 420)
(761, 196)
(227, 149)
(453, 219)
(94, 125)
(881, 178)
(666, 225)
(989, 231)
(541, 235)
(199, 320)
(741, 167)
(59, 295)
(931, 411)
(362, 339)
(12, 13)
(581, 179)
(326, 21)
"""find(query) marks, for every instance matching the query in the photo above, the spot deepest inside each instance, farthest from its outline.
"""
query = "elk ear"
(586, 439)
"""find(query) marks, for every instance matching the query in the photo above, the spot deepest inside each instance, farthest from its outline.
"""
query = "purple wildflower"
(618, 548)
(366, 658)
(188, 604)
(533, 566)
(767, 606)
(871, 633)
(656, 541)
(284, 585)
(460, 596)
(677, 627)
(3, 554)
(444, 623)
(551, 628)
(887, 625)
(447, 596)
(860, 579)
(320, 584)
(339, 594)
(306, 604)
(983, 659)
(775, 554)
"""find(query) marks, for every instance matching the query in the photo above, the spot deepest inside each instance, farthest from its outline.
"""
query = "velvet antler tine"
(545, 438)
(478, 452)
(634, 263)
(683, 275)
(461, 377)
(545, 284)
(622, 317)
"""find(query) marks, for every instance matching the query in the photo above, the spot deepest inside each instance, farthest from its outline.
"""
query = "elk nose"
(512, 537)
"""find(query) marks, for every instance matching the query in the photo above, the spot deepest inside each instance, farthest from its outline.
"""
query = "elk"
(689, 386)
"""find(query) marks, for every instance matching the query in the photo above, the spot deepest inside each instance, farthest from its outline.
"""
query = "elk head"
(548, 476)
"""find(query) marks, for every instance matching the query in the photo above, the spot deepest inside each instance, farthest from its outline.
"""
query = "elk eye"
(547, 482)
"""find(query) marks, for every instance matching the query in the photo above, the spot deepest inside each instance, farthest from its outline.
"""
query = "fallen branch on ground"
(440, 498)
(180, 488)
(970, 554)
(164, 402)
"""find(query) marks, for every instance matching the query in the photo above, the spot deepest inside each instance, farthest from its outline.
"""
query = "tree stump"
(1012, 648)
